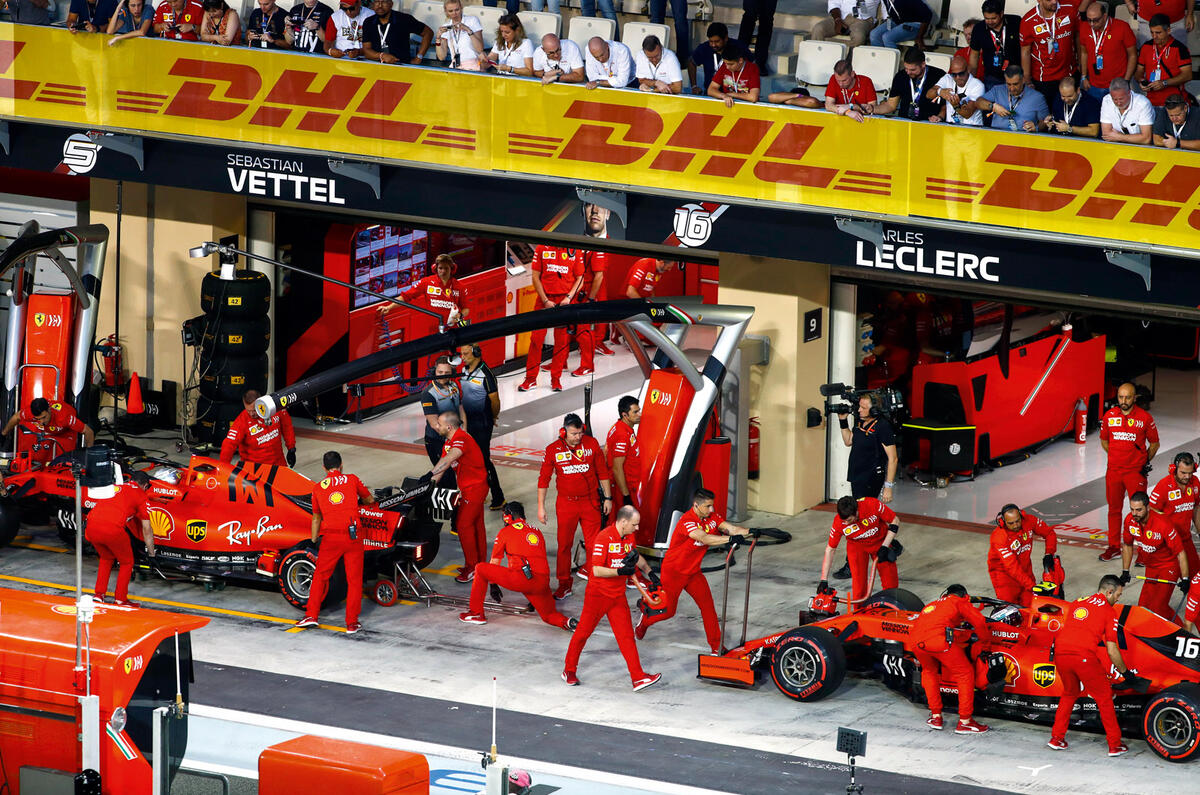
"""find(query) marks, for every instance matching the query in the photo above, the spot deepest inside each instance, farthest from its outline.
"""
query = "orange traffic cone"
(133, 401)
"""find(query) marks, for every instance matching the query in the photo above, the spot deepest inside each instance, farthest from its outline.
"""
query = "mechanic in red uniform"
(582, 482)
(1090, 623)
(106, 529)
(260, 441)
(870, 528)
(589, 337)
(557, 278)
(1130, 438)
(1191, 610)
(624, 455)
(696, 531)
(936, 650)
(462, 454)
(1163, 552)
(527, 572)
(335, 502)
(1177, 498)
(439, 291)
(1010, 563)
(644, 276)
(613, 558)
(57, 421)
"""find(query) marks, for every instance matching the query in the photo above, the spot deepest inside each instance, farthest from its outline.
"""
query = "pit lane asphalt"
(410, 653)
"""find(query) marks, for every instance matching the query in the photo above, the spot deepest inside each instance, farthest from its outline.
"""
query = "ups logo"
(196, 530)
(1044, 674)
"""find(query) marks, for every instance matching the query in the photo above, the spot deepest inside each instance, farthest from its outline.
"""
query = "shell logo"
(1080, 613)
(336, 498)
(928, 609)
(531, 539)
(1012, 671)
(160, 523)
(508, 297)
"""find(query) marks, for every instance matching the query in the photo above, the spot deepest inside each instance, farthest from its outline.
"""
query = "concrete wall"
(792, 456)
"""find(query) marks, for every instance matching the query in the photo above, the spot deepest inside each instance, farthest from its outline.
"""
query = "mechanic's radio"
(887, 401)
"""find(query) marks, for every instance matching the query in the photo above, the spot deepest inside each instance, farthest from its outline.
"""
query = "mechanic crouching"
(1009, 560)
(259, 441)
(107, 531)
(938, 654)
(870, 528)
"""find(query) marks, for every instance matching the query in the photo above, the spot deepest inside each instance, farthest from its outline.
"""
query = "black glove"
(291, 457)
(885, 555)
(627, 499)
(1183, 584)
(1131, 681)
(628, 564)
(1047, 562)
(1124, 578)
(897, 548)
(652, 576)
(842, 421)
(1146, 470)
(823, 587)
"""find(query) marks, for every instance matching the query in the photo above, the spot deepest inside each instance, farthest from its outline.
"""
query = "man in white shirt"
(558, 61)
(958, 90)
(658, 69)
(608, 63)
(343, 31)
(855, 18)
(1125, 116)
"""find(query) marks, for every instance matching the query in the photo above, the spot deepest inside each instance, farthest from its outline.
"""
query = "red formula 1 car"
(247, 523)
(1015, 675)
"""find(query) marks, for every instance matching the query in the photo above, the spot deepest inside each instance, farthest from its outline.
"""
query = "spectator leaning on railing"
(958, 92)
(1075, 112)
(1015, 105)
(848, 94)
(512, 54)
(304, 28)
(1176, 126)
(387, 36)
(91, 16)
(264, 28)
(1126, 117)
(737, 79)
(558, 61)
(708, 57)
(913, 89)
(221, 24)
(657, 68)
(1164, 65)
(132, 19)
(344, 30)
(608, 64)
(178, 19)
(460, 38)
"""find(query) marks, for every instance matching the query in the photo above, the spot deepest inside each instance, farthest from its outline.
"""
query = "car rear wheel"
(1171, 723)
(896, 598)
(808, 664)
(295, 575)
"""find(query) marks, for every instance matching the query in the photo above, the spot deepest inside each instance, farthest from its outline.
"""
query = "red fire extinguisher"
(1080, 422)
(752, 450)
(113, 359)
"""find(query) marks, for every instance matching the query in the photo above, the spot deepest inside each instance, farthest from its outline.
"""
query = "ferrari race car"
(246, 523)
(1015, 673)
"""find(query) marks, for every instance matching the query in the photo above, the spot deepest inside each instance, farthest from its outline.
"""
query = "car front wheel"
(808, 664)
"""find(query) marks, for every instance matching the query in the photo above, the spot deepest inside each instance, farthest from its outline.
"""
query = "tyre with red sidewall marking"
(385, 593)
(1171, 722)
(295, 573)
(808, 664)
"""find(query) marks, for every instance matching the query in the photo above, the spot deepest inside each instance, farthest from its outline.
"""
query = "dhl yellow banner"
(623, 138)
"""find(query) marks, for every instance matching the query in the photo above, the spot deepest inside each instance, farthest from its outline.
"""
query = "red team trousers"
(537, 590)
(469, 523)
(1116, 486)
(616, 608)
(1009, 589)
(112, 545)
(1075, 669)
(562, 343)
(573, 511)
(1183, 526)
(858, 558)
(953, 665)
(696, 586)
(336, 545)
(1156, 596)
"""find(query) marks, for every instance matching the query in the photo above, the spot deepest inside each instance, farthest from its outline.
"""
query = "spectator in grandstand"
(587, 8)
(460, 38)
(558, 61)
(132, 19)
(1075, 112)
(91, 16)
(906, 19)
(850, 94)
(913, 89)
(1175, 126)
(609, 64)
(657, 69)
(968, 30)
(1164, 64)
(264, 26)
(344, 30)
(995, 44)
(708, 57)
(683, 25)
(27, 12)
(737, 79)
(178, 19)
(1048, 49)
(1179, 13)
(387, 36)
(853, 18)
(552, 6)
(1126, 117)
(958, 92)
(1015, 105)
(797, 95)
(1106, 50)
(760, 13)
(513, 52)
(221, 24)
(304, 28)
(511, 7)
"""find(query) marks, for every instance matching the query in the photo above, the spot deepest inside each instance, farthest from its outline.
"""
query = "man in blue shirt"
(708, 57)
(1014, 105)
(906, 19)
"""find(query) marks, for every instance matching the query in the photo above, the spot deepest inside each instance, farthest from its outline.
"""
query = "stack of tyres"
(233, 351)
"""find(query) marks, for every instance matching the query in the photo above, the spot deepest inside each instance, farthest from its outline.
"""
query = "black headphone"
(1012, 506)
(476, 351)
(955, 589)
(1184, 458)
(871, 396)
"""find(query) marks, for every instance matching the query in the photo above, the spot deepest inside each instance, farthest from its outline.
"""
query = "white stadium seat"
(633, 32)
(490, 17)
(538, 24)
(814, 63)
(582, 29)
(941, 60)
(878, 63)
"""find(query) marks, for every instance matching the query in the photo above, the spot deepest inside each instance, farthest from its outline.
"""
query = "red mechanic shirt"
(1011, 552)
(861, 93)
(1157, 540)
(559, 268)
(579, 469)
(115, 512)
(593, 262)
(1174, 9)
(643, 277)
(523, 543)
(1128, 437)
(193, 14)
(257, 440)
(623, 441)
(63, 422)
(469, 470)
(870, 529)
(336, 499)
(1176, 503)
(1051, 41)
(1111, 43)
(1162, 63)
(684, 554)
(1088, 623)
(440, 298)
(929, 630)
(609, 548)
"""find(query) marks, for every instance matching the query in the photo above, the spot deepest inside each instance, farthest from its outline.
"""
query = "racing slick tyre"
(213, 418)
(238, 337)
(10, 522)
(225, 378)
(1171, 722)
(295, 574)
(808, 664)
(385, 593)
(248, 295)
(896, 598)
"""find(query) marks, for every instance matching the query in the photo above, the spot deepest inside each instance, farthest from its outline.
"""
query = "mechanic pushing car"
(870, 528)
(613, 558)
(582, 474)
(260, 441)
(557, 278)
(624, 455)
(1158, 544)
(335, 502)
(57, 421)
(527, 572)
(940, 654)
(1130, 439)
(697, 530)
(1009, 560)
(1177, 497)
(440, 396)
(107, 529)
(462, 454)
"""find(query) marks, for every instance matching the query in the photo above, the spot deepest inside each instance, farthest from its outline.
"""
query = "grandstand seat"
(814, 63)
(432, 14)
(582, 29)
(941, 60)
(490, 17)
(632, 34)
(878, 63)
(539, 23)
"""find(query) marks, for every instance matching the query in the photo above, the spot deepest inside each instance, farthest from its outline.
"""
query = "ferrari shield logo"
(1044, 674)
(654, 395)
(325, 483)
(128, 665)
(39, 319)
(197, 530)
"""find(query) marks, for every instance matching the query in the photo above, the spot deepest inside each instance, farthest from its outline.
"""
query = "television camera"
(888, 402)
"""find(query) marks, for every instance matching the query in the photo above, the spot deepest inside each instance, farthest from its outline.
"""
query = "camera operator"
(872, 444)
